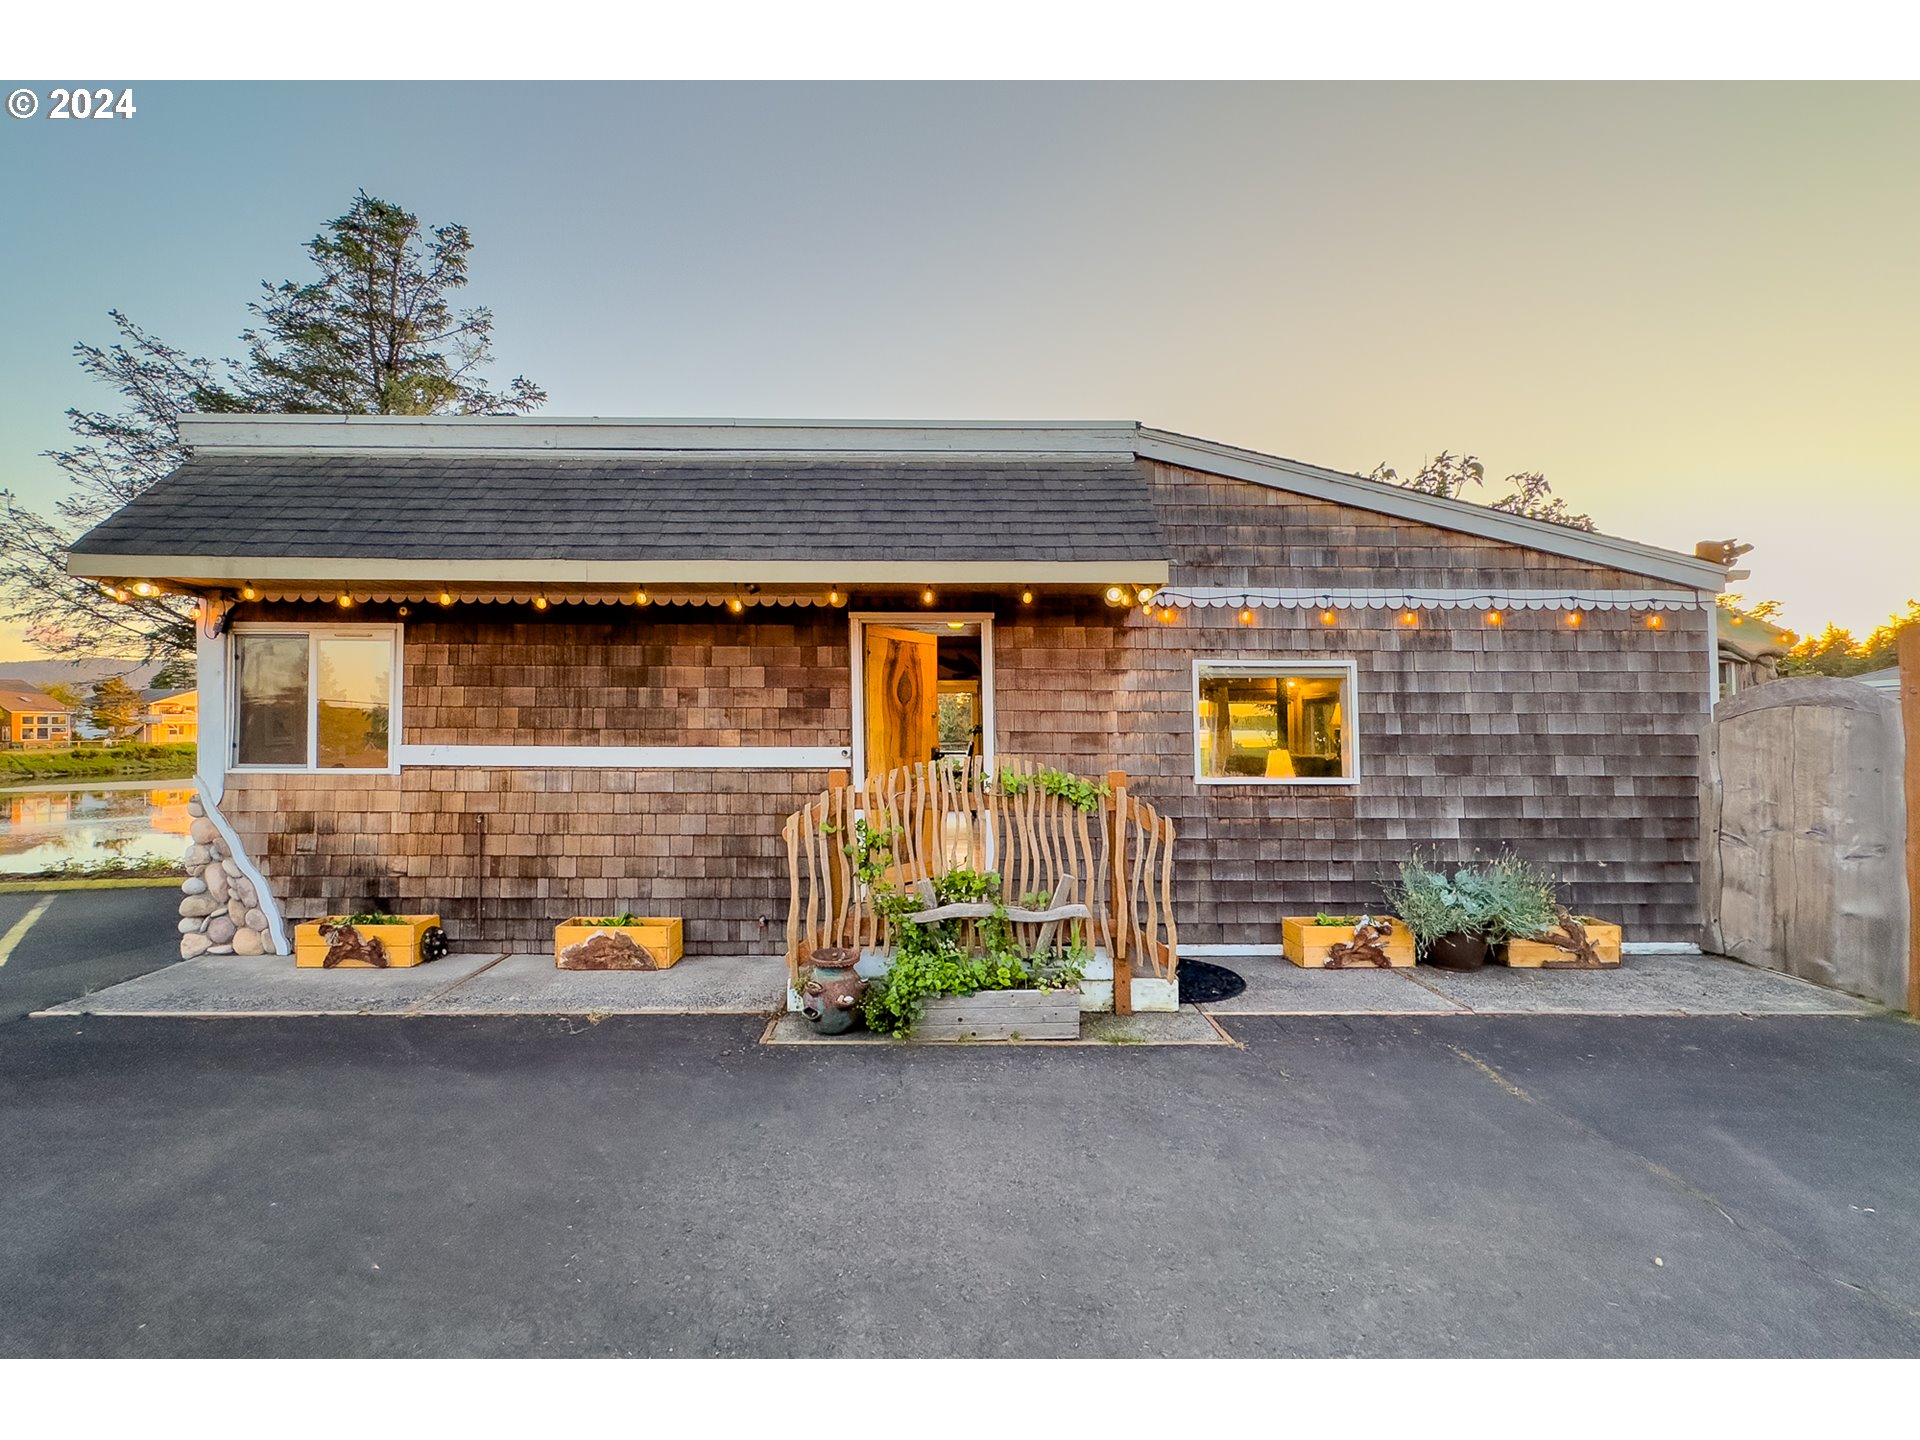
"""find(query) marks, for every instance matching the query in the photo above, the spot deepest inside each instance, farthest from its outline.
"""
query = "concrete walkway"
(481, 984)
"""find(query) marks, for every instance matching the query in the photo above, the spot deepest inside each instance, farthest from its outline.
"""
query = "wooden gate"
(1017, 819)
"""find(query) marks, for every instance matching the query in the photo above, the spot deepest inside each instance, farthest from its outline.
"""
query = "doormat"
(1204, 984)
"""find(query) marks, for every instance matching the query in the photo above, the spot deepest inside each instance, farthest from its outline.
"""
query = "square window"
(321, 699)
(1273, 722)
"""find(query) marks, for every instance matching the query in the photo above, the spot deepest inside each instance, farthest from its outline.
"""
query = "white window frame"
(320, 630)
(1281, 665)
(935, 622)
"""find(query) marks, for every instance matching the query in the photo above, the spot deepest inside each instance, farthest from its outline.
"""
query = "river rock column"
(220, 911)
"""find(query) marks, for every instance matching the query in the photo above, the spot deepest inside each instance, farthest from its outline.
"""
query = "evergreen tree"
(374, 333)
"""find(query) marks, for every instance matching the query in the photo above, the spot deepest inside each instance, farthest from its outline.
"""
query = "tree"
(374, 334)
(1448, 476)
(1837, 652)
(115, 707)
(70, 696)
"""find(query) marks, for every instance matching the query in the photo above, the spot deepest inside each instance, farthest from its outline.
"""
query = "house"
(513, 670)
(30, 719)
(1887, 679)
(1750, 651)
(172, 717)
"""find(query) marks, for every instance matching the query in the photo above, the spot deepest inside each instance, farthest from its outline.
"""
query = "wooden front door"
(902, 695)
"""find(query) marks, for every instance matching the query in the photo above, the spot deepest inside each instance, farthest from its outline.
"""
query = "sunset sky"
(1694, 307)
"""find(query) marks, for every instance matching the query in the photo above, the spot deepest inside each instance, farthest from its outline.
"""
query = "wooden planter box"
(1539, 955)
(1308, 945)
(653, 943)
(401, 943)
(1002, 1015)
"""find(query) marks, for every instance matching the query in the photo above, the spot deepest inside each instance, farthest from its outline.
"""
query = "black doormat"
(1204, 984)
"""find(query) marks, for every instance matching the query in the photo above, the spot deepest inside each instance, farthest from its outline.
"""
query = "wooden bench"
(1061, 907)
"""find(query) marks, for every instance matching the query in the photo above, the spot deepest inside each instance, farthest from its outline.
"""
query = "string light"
(736, 604)
(927, 596)
(1494, 617)
(1166, 614)
(1654, 622)
(1408, 617)
(640, 597)
(1328, 617)
(1026, 597)
(346, 602)
(1575, 619)
(404, 611)
(1115, 594)
(145, 588)
(1247, 617)
(956, 624)
(835, 598)
(118, 594)
(539, 602)
(445, 598)
(1146, 596)
(247, 592)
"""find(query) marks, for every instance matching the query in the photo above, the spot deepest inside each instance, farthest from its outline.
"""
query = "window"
(314, 699)
(1729, 678)
(1274, 722)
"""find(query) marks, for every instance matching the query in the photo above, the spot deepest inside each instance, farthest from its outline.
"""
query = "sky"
(1693, 307)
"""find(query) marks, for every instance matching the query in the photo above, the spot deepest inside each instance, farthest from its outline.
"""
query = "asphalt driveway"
(651, 1185)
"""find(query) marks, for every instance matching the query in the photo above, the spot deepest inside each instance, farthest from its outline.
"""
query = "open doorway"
(923, 688)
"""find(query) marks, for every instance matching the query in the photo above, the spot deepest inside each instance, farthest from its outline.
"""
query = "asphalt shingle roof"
(636, 507)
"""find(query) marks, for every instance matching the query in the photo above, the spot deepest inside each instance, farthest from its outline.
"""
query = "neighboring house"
(33, 719)
(172, 717)
(1750, 651)
(515, 670)
(1887, 679)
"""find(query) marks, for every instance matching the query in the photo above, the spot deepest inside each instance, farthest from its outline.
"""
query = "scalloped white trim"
(1271, 598)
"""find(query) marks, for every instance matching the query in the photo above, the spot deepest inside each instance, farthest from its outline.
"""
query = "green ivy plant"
(1081, 793)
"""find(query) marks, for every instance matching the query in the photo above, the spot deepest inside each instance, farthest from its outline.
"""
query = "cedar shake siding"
(1579, 748)
(504, 854)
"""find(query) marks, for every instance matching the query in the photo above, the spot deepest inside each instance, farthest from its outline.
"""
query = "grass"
(114, 867)
(97, 762)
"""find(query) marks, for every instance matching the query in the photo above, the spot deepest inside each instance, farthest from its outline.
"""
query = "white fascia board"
(213, 570)
(1457, 515)
(481, 434)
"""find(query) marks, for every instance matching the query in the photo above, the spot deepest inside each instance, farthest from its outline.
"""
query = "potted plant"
(1335, 942)
(617, 942)
(368, 940)
(1445, 915)
(1457, 919)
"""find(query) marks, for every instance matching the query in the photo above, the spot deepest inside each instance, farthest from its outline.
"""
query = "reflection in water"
(45, 829)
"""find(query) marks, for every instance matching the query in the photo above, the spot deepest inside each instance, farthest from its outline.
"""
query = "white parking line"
(19, 932)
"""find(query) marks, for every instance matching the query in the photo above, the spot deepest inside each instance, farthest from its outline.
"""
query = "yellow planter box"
(1538, 954)
(651, 943)
(1309, 945)
(398, 944)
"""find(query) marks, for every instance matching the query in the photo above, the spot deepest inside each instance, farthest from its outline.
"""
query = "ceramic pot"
(830, 1000)
(1458, 950)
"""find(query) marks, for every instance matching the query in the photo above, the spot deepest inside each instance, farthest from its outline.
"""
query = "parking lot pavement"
(75, 942)
(1442, 1185)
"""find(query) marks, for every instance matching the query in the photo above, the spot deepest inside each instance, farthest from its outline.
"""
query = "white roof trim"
(1458, 515)
(513, 435)
(1269, 598)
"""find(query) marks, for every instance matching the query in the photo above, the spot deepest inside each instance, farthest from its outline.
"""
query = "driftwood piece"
(346, 945)
(1364, 949)
(1571, 936)
(608, 950)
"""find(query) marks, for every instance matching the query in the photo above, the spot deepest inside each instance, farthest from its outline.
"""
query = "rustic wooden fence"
(1008, 818)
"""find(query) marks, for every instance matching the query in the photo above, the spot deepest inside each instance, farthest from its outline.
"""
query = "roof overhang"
(224, 572)
(1457, 515)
